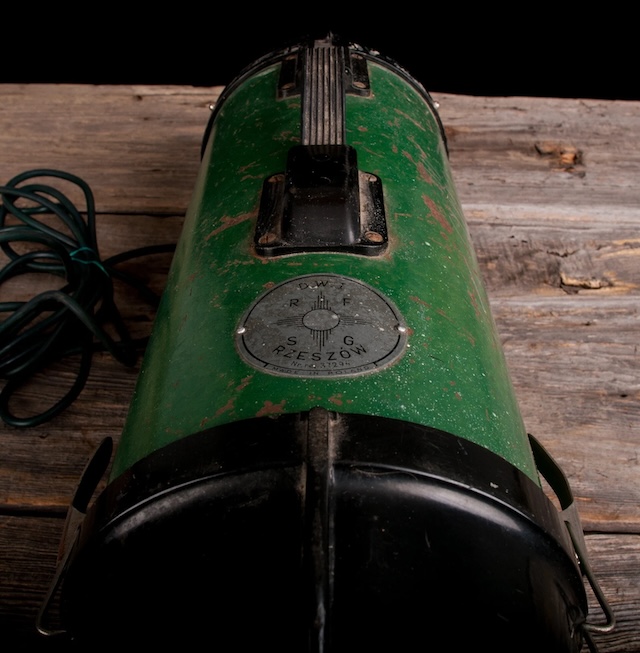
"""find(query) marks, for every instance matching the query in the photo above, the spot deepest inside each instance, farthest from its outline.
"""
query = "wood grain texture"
(549, 188)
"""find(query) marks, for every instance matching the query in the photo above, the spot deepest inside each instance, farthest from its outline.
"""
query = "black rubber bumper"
(325, 532)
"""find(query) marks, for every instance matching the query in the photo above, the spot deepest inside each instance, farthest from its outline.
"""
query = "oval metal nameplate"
(321, 325)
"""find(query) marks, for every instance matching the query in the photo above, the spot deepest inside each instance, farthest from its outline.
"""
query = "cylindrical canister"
(324, 451)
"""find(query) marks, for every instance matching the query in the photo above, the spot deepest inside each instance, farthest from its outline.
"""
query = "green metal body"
(452, 374)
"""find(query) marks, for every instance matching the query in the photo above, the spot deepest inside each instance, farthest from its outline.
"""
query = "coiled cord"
(66, 321)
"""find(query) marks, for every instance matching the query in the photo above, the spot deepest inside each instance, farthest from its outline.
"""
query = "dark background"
(514, 50)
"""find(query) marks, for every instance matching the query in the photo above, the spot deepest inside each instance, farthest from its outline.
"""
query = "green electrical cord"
(69, 321)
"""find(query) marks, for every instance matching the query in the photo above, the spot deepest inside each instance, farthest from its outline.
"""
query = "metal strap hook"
(559, 483)
(91, 476)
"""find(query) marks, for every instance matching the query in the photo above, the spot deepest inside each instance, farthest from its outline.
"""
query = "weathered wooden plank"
(28, 553)
(615, 561)
(519, 253)
(41, 467)
(544, 151)
(137, 147)
(573, 360)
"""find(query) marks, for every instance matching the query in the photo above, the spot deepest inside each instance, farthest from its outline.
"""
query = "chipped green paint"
(453, 374)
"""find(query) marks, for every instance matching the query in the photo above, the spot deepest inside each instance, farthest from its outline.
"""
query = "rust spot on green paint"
(234, 263)
(422, 171)
(287, 136)
(474, 302)
(417, 299)
(229, 221)
(437, 214)
(270, 408)
(469, 336)
(246, 171)
(226, 408)
(253, 164)
(244, 383)
(417, 123)
(336, 399)
(423, 155)
(458, 396)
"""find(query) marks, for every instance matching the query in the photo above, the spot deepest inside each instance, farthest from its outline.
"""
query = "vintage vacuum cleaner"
(324, 451)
